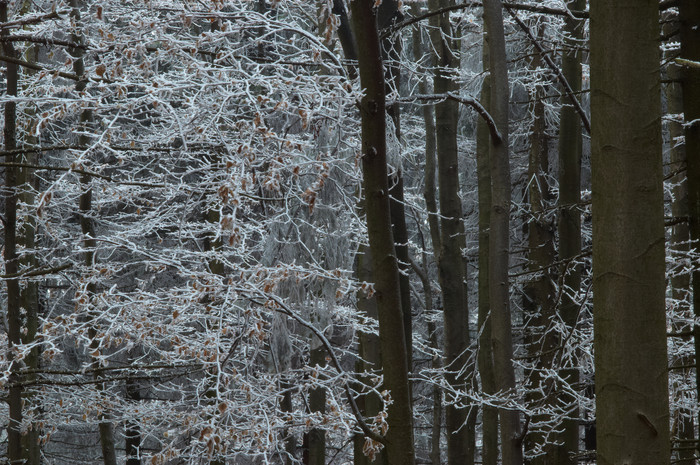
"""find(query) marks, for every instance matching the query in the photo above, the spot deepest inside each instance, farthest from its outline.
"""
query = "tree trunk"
(387, 14)
(539, 305)
(499, 241)
(106, 430)
(628, 226)
(317, 403)
(434, 228)
(489, 422)
(15, 449)
(690, 81)
(460, 437)
(683, 424)
(399, 437)
(570, 143)
(370, 358)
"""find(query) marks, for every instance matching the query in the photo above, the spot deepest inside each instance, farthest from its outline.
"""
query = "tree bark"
(489, 423)
(387, 14)
(570, 143)
(434, 229)
(690, 81)
(682, 421)
(628, 228)
(105, 427)
(399, 437)
(539, 303)
(499, 241)
(15, 449)
(460, 436)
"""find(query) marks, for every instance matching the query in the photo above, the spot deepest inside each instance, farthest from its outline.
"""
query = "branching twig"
(567, 87)
(81, 171)
(282, 308)
(37, 272)
(472, 102)
(32, 20)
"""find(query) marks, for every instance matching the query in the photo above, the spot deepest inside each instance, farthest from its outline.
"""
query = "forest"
(334, 232)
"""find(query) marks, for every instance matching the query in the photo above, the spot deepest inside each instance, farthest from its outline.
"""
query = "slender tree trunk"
(683, 424)
(628, 229)
(387, 14)
(460, 437)
(690, 81)
(499, 240)
(132, 433)
(15, 449)
(317, 403)
(106, 430)
(29, 290)
(489, 422)
(434, 228)
(399, 437)
(539, 305)
(570, 143)
(370, 359)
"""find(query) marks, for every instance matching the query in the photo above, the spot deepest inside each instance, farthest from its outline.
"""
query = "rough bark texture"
(628, 248)
(460, 437)
(399, 437)
(489, 422)
(690, 50)
(570, 142)
(499, 240)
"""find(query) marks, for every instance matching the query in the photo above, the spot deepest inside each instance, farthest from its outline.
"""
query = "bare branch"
(32, 19)
(567, 87)
(472, 102)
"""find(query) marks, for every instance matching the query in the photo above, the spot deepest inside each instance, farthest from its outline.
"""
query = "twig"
(688, 63)
(81, 171)
(40, 40)
(569, 91)
(516, 6)
(37, 272)
(32, 19)
(472, 102)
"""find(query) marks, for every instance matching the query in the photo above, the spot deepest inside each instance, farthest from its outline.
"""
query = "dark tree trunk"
(570, 142)
(15, 449)
(106, 430)
(629, 286)
(690, 81)
(489, 422)
(499, 240)
(539, 306)
(460, 437)
(434, 228)
(399, 437)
